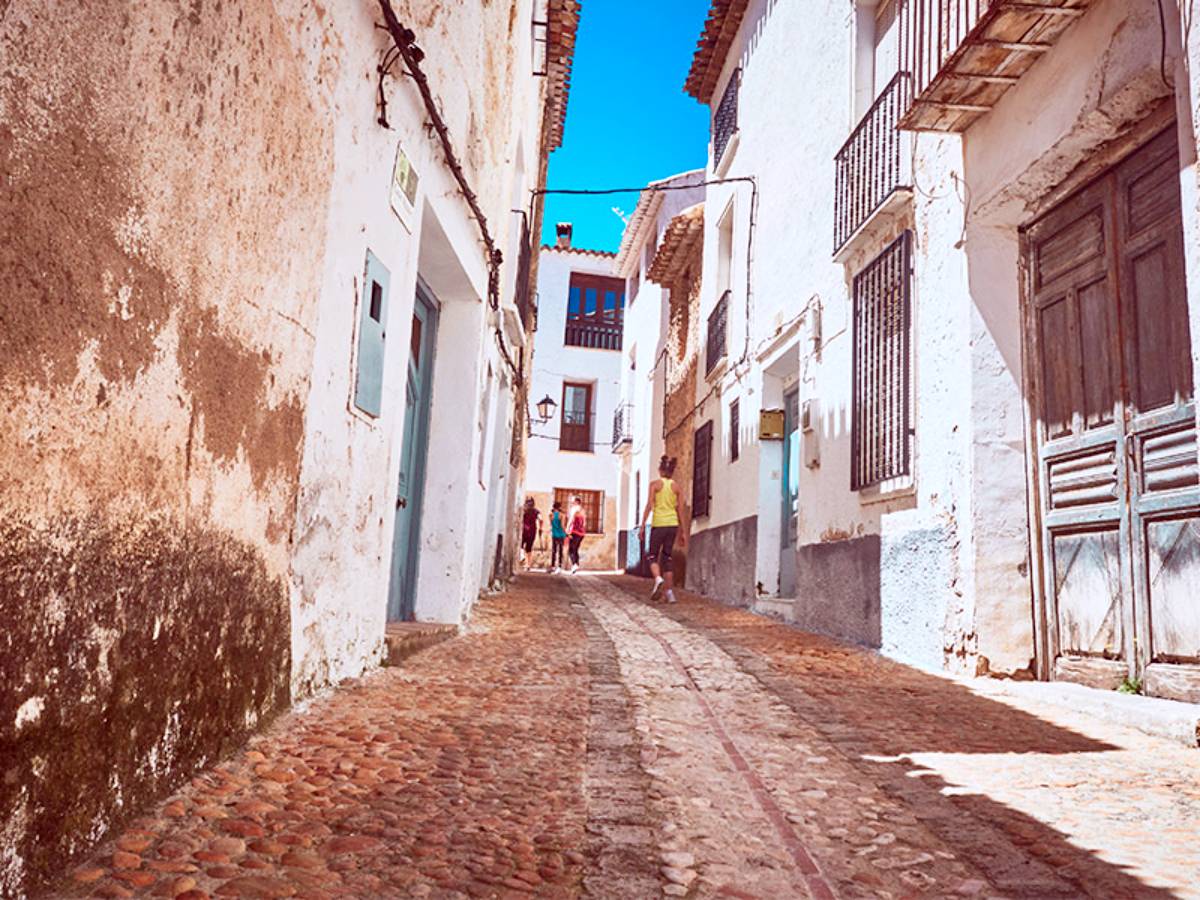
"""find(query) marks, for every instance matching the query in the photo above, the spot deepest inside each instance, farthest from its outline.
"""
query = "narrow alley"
(577, 740)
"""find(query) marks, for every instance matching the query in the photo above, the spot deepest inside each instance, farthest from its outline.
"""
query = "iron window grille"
(881, 429)
(622, 425)
(872, 164)
(595, 312)
(524, 293)
(718, 320)
(592, 503)
(702, 470)
(725, 119)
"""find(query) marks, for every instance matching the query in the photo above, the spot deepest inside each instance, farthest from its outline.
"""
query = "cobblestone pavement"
(578, 741)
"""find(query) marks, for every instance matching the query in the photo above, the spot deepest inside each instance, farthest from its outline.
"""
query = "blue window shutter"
(372, 316)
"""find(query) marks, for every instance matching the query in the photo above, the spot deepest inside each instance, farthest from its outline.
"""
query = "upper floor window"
(725, 119)
(881, 420)
(575, 432)
(595, 312)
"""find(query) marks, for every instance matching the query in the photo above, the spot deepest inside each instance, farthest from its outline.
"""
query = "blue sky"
(628, 119)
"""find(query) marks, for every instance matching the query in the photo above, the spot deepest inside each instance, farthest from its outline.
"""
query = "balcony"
(724, 125)
(594, 334)
(873, 169)
(622, 426)
(963, 56)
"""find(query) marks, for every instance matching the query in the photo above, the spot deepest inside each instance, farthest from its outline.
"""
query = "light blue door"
(411, 483)
(368, 382)
(791, 494)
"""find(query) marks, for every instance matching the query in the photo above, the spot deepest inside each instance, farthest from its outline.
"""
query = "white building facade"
(577, 356)
(958, 288)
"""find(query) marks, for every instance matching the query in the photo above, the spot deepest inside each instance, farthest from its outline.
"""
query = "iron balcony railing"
(718, 320)
(931, 31)
(622, 426)
(872, 164)
(725, 120)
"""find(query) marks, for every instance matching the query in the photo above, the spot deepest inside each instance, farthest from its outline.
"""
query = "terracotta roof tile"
(720, 28)
(562, 23)
(682, 237)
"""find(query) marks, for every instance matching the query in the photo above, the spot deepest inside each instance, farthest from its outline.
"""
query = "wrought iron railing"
(622, 425)
(725, 118)
(718, 320)
(931, 31)
(872, 164)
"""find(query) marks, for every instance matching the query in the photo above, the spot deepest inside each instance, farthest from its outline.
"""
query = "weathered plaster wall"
(723, 561)
(160, 253)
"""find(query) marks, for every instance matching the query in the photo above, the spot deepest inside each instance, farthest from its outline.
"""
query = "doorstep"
(1170, 719)
(406, 638)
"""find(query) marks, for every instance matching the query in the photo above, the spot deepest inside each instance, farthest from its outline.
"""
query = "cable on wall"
(412, 55)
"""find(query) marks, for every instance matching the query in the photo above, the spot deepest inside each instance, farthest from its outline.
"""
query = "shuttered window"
(735, 426)
(593, 507)
(881, 436)
(702, 470)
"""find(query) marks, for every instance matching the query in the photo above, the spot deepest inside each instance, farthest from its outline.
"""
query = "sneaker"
(671, 597)
(574, 570)
(654, 591)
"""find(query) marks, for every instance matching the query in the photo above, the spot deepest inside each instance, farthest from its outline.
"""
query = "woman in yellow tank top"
(666, 506)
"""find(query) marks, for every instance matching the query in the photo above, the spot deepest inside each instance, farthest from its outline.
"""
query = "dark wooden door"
(1110, 371)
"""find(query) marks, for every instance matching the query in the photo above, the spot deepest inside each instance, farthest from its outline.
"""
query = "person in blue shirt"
(558, 534)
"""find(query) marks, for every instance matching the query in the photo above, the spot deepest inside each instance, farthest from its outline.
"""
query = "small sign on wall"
(404, 189)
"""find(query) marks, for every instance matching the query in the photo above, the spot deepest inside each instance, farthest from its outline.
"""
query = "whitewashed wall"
(548, 467)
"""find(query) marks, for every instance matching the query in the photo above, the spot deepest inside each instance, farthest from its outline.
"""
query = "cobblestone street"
(578, 741)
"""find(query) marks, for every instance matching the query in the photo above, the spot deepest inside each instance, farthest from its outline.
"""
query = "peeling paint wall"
(195, 522)
(160, 254)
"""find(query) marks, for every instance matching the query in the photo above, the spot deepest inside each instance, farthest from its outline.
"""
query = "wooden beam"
(1016, 46)
(1047, 9)
(990, 79)
(956, 107)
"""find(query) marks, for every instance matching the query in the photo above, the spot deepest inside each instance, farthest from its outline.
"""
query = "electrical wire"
(736, 368)
(1162, 57)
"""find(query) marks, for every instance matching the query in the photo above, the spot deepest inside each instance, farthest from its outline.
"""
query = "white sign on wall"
(404, 189)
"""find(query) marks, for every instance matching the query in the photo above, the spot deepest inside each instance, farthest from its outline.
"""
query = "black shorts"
(527, 541)
(662, 542)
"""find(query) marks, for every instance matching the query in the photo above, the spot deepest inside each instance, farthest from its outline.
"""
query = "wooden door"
(1109, 361)
(576, 432)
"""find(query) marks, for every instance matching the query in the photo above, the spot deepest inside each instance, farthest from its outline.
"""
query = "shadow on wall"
(881, 714)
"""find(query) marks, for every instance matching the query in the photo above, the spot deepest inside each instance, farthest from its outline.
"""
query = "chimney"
(563, 230)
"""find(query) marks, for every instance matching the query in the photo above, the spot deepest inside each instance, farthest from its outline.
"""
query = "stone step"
(406, 638)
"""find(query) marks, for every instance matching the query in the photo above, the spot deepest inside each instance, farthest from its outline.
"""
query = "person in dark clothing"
(531, 528)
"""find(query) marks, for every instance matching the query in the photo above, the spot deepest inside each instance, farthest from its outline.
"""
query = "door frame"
(1134, 510)
(401, 600)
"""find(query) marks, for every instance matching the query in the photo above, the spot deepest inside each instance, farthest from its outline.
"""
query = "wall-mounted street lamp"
(545, 408)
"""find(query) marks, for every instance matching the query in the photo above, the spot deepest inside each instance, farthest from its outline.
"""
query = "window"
(880, 425)
(485, 421)
(725, 120)
(717, 320)
(368, 375)
(595, 312)
(702, 470)
(735, 424)
(576, 429)
(593, 506)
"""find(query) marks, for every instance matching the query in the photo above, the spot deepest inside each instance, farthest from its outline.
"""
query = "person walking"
(664, 503)
(531, 529)
(558, 536)
(576, 530)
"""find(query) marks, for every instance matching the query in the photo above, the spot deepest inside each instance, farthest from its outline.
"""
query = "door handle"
(401, 503)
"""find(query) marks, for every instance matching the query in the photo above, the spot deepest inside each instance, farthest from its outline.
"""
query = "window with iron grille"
(735, 424)
(881, 435)
(714, 350)
(592, 503)
(725, 120)
(702, 469)
(595, 312)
